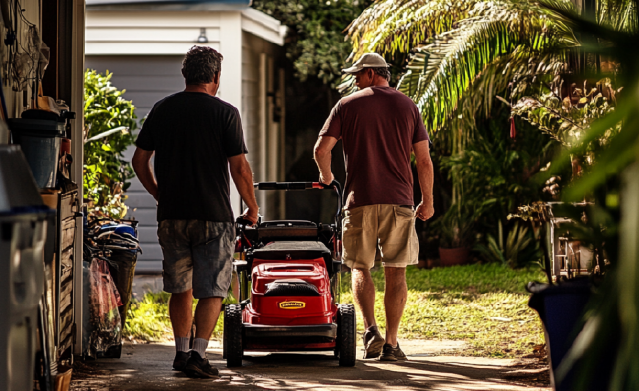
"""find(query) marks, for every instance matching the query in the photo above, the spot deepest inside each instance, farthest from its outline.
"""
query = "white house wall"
(258, 76)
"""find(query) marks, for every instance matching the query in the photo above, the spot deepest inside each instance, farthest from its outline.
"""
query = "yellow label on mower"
(292, 305)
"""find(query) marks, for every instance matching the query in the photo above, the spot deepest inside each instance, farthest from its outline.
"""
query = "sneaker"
(392, 354)
(200, 367)
(179, 362)
(373, 342)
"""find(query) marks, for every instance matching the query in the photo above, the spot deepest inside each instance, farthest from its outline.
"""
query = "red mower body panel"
(289, 310)
(289, 276)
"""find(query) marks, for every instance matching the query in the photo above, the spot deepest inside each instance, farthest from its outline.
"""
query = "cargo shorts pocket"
(213, 232)
(352, 230)
(396, 242)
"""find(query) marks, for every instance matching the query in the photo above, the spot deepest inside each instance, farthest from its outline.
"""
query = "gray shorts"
(197, 254)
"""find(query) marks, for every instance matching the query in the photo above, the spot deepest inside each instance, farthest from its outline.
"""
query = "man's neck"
(381, 83)
(198, 88)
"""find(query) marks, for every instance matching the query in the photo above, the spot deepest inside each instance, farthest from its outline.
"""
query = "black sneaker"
(392, 354)
(373, 342)
(199, 367)
(179, 362)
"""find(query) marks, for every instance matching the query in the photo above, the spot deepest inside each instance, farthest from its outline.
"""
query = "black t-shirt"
(193, 134)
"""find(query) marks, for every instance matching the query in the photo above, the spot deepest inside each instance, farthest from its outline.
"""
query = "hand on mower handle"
(250, 215)
(326, 180)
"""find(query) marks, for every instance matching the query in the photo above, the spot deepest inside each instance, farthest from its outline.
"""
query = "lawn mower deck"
(292, 270)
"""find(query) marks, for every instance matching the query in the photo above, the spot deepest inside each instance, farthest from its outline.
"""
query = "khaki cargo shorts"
(391, 228)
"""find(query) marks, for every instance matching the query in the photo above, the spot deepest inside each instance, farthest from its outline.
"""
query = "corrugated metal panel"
(146, 79)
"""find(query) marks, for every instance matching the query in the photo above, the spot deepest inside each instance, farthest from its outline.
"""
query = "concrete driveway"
(148, 367)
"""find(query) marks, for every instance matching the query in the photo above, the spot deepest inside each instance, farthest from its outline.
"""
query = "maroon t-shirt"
(378, 126)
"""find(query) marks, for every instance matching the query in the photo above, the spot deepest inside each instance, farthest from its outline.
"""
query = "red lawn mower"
(292, 269)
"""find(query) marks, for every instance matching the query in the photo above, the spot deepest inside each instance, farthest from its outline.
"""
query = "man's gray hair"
(200, 64)
(383, 72)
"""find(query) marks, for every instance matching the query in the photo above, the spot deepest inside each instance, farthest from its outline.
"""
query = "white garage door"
(147, 79)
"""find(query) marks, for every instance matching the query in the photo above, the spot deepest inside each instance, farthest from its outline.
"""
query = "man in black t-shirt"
(196, 139)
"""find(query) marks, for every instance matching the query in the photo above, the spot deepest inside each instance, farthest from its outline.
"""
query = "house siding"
(146, 79)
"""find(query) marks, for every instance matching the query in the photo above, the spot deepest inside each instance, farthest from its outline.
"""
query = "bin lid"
(39, 127)
(18, 190)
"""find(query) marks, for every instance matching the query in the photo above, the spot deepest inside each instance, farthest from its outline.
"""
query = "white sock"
(182, 344)
(200, 345)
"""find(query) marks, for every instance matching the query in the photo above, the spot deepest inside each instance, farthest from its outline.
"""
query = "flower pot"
(422, 264)
(560, 307)
(453, 256)
(63, 378)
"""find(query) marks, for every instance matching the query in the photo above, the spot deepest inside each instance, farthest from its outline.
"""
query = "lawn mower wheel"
(233, 347)
(346, 334)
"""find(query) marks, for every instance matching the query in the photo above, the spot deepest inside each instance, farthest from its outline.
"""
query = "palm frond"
(620, 15)
(441, 72)
(396, 26)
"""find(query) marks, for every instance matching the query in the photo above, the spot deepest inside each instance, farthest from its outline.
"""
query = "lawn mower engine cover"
(291, 292)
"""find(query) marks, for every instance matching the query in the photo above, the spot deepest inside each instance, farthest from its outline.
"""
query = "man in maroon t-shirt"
(379, 127)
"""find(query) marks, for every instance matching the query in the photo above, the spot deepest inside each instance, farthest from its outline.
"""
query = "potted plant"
(455, 235)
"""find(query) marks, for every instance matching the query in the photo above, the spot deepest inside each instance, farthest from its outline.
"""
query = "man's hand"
(250, 214)
(425, 174)
(424, 211)
(327, 180)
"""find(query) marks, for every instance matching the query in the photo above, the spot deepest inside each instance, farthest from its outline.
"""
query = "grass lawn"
(484, 305)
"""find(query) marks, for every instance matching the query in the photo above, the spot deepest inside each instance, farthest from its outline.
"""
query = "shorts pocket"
(396, 242)
(402, 212)
(352, 230)
(213, 232)
(414, 247)
(353, 218)
(350, 238)
(165, 235)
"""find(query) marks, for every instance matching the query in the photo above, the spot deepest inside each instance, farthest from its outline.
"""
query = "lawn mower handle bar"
(335, 185)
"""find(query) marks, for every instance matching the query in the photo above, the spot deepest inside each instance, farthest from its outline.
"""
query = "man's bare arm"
(425, 209)
(142, 166)
(243, 178)
(323, 155)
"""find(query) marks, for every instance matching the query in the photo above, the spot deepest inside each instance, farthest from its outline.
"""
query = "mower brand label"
(292, 305)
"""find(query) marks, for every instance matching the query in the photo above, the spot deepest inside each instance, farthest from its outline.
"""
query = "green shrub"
(109, 122)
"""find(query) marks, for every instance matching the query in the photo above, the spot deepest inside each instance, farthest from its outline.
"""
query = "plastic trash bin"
(23, 227)
(560, 307)
(40, 142)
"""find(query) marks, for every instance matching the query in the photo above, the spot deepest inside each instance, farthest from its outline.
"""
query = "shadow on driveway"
(148, 367)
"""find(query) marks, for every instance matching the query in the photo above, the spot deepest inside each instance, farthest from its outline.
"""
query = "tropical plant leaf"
(441, 73)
